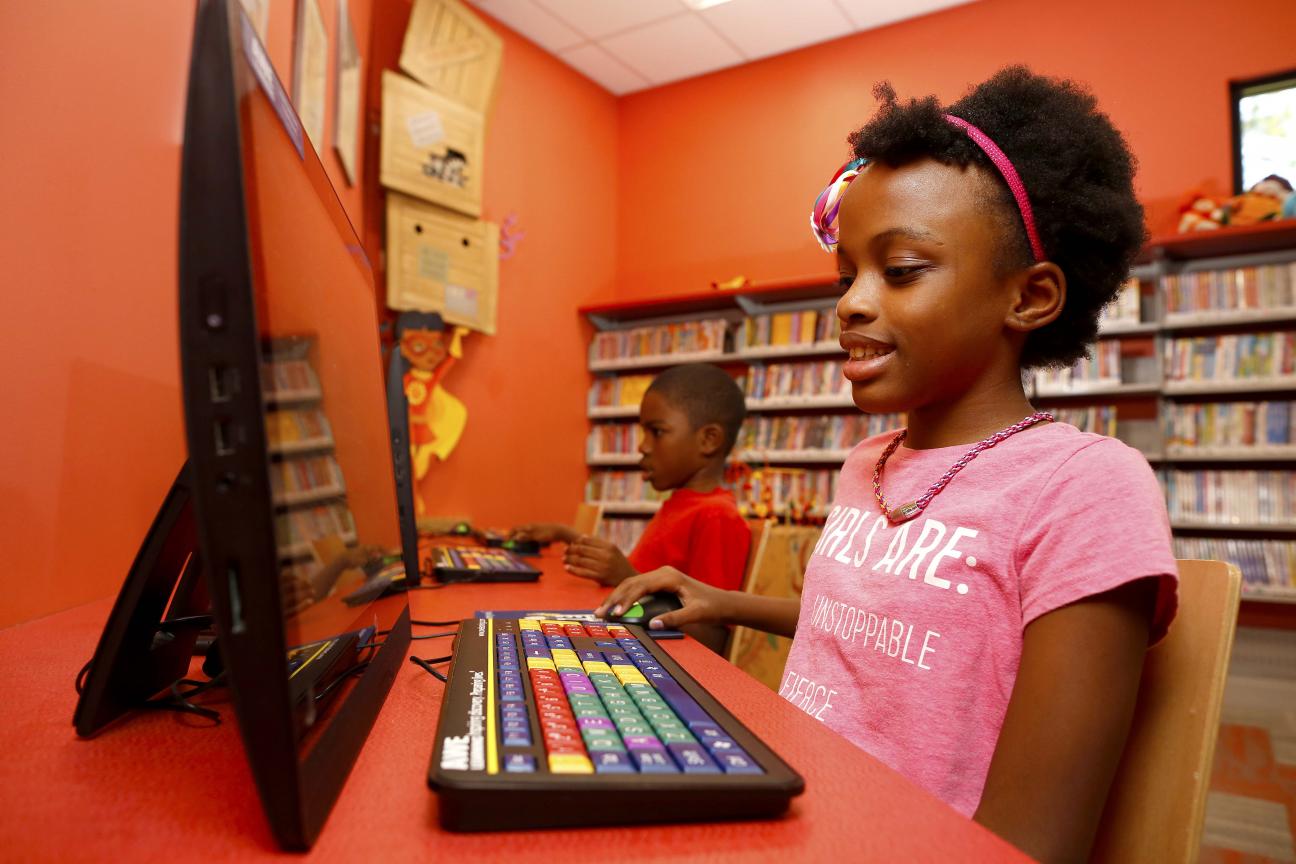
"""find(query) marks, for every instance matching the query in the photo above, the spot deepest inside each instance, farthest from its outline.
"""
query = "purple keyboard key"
(595, 723)
(517, 739)
(737, 762)
(612, 762)
(653, 762)
(692, 759)
(643, 742)
(519, 763)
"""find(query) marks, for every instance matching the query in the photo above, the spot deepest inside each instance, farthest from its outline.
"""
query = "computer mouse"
(521, 547)
(650, 606)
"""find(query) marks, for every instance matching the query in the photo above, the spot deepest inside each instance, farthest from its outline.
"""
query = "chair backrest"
(760, 532)
(1157, 803)
(588, 518)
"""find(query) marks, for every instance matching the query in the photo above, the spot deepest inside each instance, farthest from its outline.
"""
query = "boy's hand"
(597, 559)
(543, 532)
(703, 603)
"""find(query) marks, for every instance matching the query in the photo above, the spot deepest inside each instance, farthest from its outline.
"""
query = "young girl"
(977, 608)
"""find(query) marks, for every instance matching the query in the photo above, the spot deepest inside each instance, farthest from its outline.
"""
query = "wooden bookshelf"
(1145, 395)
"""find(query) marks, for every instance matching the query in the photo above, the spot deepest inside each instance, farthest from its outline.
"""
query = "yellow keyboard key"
(570, 763)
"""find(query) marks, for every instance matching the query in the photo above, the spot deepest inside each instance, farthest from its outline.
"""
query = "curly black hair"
(1078, 174)
(705, 394)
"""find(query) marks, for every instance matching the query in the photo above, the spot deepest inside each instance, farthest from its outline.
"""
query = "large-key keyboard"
(555, 723)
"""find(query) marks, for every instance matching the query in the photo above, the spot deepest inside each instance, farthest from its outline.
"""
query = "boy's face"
(923, 313)
(671, 447)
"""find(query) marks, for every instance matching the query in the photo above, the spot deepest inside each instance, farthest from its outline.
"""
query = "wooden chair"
(588, 518)
(760, 533)
(1157, 803)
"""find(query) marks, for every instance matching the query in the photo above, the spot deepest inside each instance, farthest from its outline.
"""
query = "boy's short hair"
(1078, 174)
(706, 394)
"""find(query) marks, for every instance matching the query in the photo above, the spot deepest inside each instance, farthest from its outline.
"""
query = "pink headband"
(823, 217)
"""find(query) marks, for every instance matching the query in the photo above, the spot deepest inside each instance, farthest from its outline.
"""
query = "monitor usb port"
(224, 383)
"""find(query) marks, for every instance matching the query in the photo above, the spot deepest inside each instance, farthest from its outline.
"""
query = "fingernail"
(656, 624)
(616, 610)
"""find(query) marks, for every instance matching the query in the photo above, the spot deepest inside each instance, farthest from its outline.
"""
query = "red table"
(160, 785)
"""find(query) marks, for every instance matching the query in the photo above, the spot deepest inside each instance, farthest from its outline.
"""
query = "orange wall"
(550, 160)
(92, 435)
(718, 173)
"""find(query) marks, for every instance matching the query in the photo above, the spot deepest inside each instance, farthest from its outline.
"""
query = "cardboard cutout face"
(423, 349)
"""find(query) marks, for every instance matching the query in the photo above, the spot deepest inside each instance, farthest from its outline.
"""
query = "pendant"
(904, 512)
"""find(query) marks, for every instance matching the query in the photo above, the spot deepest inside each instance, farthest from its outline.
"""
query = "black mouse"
(650, 606)
(521, 547)
(461, 529)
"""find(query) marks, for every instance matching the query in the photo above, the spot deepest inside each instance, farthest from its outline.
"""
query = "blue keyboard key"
(512, 697)
(605, 643)
(692, 759)
(612, 762)
(653, 762)
(519, 763)
(737, 762)
(721, 745)
(684, 705)
(516, 739)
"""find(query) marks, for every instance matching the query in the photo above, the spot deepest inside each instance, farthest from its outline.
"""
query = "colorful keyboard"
(555, 723)
(479, 564)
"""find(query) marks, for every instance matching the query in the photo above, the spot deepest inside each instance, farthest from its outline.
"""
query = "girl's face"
(924, 313)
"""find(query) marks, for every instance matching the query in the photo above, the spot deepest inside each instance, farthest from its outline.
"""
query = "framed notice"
(453, 52)
(346, 116)
(440, 261)
(310, 70)
(431, 146)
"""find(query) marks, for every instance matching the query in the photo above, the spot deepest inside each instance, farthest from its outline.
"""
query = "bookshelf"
(1193, 366)
(306, 482)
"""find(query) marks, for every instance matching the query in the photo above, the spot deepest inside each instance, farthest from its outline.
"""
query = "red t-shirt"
(699, 533)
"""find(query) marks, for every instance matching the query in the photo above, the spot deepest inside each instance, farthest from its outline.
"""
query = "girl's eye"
(844, 282)
(900, 273)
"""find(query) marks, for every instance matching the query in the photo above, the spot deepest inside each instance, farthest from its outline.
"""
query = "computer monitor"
(291, 482)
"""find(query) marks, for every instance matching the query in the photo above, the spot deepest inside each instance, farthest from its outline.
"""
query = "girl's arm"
(703, 604)
(1067, 722)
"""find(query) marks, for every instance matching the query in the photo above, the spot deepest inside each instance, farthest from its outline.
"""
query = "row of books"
(1099, 419)
(296, 529)
(622, 391)
(814, 378)
(780, 492)
(685, 337)
(1101, 368)
(1231, 497)
(1268, 566)
(802, 327)
(613, 439)
(1125, 308)
(298, 429)
(1231, 357)
(818, 432)
(1230, 424)
(623, 487)
(309, 478)
(623, 533)
(289, 378)
(1267, 286)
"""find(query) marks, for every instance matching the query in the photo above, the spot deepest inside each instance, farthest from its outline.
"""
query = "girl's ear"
(1041, 294)
(710, 438)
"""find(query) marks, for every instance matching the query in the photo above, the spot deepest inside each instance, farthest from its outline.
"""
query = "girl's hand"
(597, 559)
(703, 604)
(542, 533)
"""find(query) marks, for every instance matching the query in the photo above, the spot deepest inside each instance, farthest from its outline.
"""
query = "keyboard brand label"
(468, 752)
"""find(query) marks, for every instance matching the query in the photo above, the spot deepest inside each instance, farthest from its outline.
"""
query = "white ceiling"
(628, 45)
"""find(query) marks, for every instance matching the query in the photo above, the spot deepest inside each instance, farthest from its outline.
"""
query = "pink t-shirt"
(910, 635)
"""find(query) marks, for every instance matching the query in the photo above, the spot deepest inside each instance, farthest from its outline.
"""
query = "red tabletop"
(161, 785)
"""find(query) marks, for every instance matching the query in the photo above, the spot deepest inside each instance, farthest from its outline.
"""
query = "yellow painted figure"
(436, 418)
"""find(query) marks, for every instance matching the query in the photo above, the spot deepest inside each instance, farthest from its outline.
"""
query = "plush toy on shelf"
(1269, 199)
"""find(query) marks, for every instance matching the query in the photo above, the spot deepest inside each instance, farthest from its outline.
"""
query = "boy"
(690, 416)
